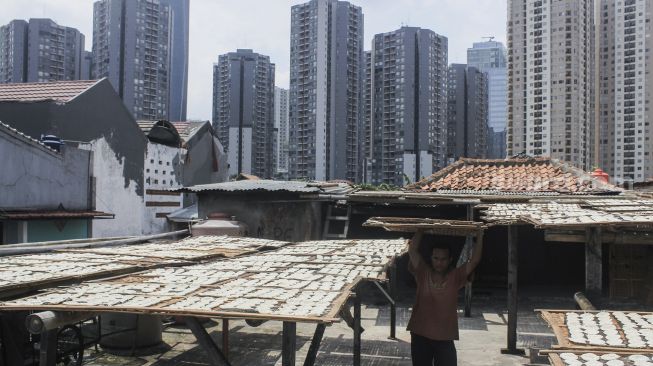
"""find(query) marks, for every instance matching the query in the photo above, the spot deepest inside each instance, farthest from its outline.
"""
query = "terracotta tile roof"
(521, 175)
(59, 91)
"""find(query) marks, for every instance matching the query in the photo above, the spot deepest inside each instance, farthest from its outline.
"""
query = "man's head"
(441, 258)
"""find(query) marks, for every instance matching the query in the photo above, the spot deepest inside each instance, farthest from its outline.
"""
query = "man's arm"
(477, 252)
(413, 249)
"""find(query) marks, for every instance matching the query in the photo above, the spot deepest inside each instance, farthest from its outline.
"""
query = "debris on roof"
(519, 175)
(53, 214)
(265, 185)
(58, 91)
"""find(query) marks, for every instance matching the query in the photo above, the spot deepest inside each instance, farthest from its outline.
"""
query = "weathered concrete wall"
(163, 170)
(267, 216)
(99, 118)
(198, 162)
(36, 177)
(111, 195)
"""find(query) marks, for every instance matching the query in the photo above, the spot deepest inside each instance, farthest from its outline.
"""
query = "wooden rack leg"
(225, 338)
(513, 306)
(357, 330)
(315, 345)
(216, 357)
(393, 295)
(289, 344)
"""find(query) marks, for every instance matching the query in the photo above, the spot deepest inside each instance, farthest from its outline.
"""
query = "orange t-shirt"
(435, 314)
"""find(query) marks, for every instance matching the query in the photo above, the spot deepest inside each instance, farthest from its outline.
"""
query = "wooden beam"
(593, 262)
(225, 338)
(289, 344)
(357, 330)
(467, 253)
(315, 345)
(513, 305)
(216, 357)
(620, 237)
(393, 294)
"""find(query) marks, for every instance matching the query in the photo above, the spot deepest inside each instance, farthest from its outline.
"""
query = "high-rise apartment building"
(326, 61)
(243, 111)
(491, 58)
(626, 89)
(467, 113)
(131, 47)
(408, 121)
(367, 133)
(281, 114)
(180, 10)
(40, 50)
(550, 79)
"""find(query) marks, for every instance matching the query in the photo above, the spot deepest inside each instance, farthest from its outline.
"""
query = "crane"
(489, 39)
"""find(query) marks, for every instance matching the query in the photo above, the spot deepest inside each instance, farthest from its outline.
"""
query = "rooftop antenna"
(489, 38)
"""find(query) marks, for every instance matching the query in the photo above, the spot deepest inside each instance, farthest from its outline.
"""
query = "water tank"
(52, 142)
(219, 224)
(122, 331)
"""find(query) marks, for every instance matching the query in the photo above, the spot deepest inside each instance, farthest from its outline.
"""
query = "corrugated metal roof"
(60, 91)
(256, 185)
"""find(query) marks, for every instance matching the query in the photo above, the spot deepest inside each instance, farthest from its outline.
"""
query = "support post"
(357, 330)
(593, 262)
(393, 294)
(216, 357)
(289, 344)
(513, 305)
(466, 256)
(315, 345)
(48, 348)
(225, 338)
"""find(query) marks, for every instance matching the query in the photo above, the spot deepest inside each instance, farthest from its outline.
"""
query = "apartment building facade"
(626, 86)
(40, 50)
(243, 111)
(408, 105)
(131, 47)
(281, 114)
(491, 58)
(550, 78)
(326, 55)
(467, 113)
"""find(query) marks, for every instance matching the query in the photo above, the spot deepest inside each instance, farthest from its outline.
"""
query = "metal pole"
(393, 304)
(289, 344)
(315, 345)
(513, 262)
(357, 330)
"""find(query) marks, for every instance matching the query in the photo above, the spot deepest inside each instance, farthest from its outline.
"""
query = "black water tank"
(52, 142)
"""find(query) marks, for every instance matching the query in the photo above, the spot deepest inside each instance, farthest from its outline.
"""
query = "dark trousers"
(427, 352)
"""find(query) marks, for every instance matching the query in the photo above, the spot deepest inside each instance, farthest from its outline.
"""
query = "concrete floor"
(481, 338)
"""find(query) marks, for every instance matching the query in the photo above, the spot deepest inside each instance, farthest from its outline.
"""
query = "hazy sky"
(220, 26)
